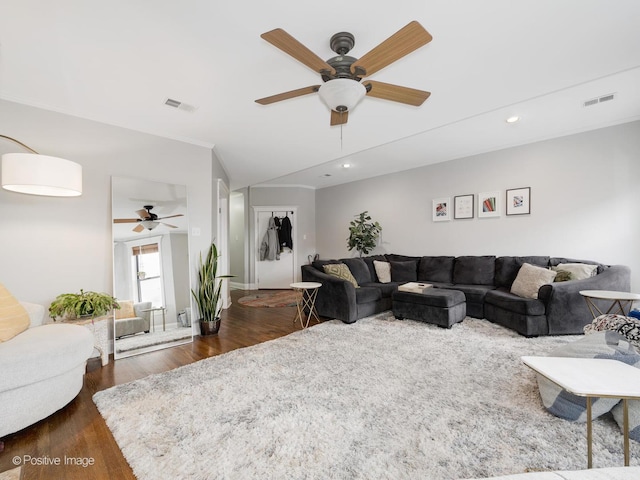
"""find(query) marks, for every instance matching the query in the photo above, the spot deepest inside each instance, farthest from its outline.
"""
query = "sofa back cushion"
(14, 319)
(507, 268)
(474, 270)
(319, 264)
(358, 269)
(436, 269)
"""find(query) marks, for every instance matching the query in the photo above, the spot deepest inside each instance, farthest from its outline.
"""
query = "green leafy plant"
(363, 234)
(75, 305)
(209, 287)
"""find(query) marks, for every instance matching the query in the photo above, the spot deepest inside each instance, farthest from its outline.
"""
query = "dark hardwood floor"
(78, 430)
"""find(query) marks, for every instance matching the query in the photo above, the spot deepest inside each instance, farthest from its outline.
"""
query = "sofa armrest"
(567, 311)
(336, 298)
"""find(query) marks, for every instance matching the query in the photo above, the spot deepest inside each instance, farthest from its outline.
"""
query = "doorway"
(280, 272)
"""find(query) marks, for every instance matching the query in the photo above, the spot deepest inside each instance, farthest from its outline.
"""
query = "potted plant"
(207, 292)
(83, 304)
(363, 234)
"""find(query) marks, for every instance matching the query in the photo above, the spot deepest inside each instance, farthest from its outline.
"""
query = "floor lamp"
(36, 174)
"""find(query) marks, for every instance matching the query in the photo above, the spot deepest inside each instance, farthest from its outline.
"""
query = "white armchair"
(42, 370)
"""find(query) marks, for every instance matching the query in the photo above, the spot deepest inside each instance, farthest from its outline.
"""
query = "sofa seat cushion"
(386, 289)
(368, 294)
(504, 299)
(472, 270)
(43, 352)
(474, 293)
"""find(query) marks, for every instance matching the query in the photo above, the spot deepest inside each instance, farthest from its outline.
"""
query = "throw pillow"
(383, 271)
(563, 276)
(125, 310)
(340, 270)
(529, 280)
(404, 271)
(14, 319)
(580, 271)
(628, 327)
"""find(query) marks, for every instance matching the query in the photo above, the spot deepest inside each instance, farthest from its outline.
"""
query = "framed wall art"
(441, 209)
(488, 204)
(519, 201)
(463, 206)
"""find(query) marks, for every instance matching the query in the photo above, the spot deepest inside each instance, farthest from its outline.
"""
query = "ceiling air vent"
(179, 105)
(604, 98)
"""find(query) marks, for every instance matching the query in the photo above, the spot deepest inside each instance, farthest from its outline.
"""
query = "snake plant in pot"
(208, 291)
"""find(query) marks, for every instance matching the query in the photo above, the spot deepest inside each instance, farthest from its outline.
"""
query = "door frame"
(258, 237)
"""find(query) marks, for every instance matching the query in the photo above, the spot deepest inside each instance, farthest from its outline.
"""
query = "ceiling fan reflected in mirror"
(342, 75)
(148, 220)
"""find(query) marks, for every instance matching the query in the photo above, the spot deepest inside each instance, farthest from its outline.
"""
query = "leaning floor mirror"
(150, 266)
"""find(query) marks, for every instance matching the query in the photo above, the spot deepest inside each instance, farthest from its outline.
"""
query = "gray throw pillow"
(404, 271)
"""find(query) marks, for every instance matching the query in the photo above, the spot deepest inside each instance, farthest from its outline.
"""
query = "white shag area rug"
(134, 342)
(379, 399)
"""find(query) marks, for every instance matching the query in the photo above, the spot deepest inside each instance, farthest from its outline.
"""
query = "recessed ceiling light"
(513, 119)
(346, 165)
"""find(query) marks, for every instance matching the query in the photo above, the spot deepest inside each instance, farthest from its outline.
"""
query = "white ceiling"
(118, 61)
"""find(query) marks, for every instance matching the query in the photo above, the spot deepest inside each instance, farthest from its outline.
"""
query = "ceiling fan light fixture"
(150, 224)
(342, 94)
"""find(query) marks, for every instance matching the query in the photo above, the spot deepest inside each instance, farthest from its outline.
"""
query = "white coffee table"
(592, 377)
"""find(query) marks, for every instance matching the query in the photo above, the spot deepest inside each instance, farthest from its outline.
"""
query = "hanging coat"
(269, 249)
(285, 233)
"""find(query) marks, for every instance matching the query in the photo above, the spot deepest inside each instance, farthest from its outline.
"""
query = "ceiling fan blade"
(286, 95)
(171, 216)
(401, 43)
(396, 93)
(139, 228)
(144, 214)
(339, 118)
(285, 42)
(167, 225)
(126, 220)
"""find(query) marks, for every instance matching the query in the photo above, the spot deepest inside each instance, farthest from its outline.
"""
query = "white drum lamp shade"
(36, 174)
(342, 94)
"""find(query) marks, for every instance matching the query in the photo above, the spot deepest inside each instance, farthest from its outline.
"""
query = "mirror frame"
(128, 196)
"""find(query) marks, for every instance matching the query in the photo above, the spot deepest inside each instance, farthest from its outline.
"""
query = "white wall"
(55, 245)
(584, 203)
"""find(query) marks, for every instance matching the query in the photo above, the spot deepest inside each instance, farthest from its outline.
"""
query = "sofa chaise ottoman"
(437, 306)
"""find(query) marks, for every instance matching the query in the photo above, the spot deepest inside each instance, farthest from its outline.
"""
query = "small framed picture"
(441, 209)
(519, 201)
(488, 204)
(463, 206)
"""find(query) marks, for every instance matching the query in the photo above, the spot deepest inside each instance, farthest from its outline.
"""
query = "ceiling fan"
(148, 219)
(342, 74)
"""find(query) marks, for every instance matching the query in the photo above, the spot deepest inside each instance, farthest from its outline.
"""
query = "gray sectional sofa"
(484, 280)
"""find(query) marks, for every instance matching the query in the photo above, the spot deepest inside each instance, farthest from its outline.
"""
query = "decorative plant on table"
(208, 291)
(363, 234)
(83, 304)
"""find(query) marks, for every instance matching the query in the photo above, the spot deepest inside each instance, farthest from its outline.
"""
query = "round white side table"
(307, 293)
(620, 302)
